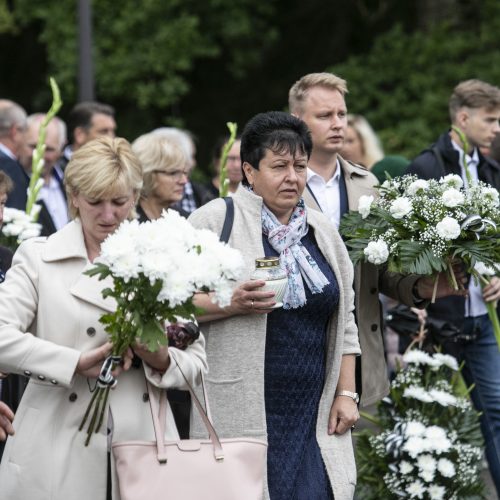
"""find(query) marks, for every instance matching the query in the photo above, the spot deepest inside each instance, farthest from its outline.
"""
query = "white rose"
(446, 467)
(452, 180)
(448, 228)
(364, 205)
(377, 252)
(400, 207)
(452, 198)
(416, 186)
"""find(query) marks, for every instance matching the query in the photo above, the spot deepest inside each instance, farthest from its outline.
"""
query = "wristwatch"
(353, 395)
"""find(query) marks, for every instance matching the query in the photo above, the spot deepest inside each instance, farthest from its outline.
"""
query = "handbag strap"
(158, 411)
(228, 221)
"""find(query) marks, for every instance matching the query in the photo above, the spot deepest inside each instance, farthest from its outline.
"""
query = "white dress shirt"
(327, 194)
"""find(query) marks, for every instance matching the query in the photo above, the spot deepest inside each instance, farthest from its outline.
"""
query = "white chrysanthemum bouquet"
(156, 268)
(429, 445)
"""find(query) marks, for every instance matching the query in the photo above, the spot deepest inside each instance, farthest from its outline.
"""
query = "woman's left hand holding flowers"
(158, 360)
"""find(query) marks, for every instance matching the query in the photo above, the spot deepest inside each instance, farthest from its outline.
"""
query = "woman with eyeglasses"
(165, 173)
(165, 168)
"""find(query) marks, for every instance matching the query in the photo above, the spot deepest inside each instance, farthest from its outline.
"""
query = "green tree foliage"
(403, 83)
(143, 50)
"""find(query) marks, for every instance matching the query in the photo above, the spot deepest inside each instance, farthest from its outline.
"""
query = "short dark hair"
(277, 131)
(81, 114)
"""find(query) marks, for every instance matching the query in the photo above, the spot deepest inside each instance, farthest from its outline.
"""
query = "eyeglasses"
(175, 174)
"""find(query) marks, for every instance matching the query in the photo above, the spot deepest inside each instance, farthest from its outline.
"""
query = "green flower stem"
(370, 418)
(223, 180)
(491, 307)
(452, 276)
(465, 147)
(37, 162)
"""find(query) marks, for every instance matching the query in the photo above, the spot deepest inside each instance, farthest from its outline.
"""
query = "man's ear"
(461, 119)
(80, 136)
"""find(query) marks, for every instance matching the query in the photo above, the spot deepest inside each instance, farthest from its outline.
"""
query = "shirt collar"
(311, 174)
(7, 151)
(472, 159)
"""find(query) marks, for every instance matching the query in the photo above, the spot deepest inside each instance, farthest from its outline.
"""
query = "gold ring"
(253, 302)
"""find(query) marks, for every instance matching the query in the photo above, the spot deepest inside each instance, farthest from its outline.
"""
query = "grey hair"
(61, 126)
(11, 114)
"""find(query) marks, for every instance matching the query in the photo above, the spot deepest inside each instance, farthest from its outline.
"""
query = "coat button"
(72, 397)
(27, 373)
(145, 397)
(90, 331)
(373, 291)
(54, 382)
(41, 377)
(374, 327)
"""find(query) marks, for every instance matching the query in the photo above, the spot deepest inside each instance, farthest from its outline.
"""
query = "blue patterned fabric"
(294, 377)
(285, 239)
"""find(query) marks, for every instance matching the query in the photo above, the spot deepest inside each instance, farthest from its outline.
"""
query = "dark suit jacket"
(17, 197)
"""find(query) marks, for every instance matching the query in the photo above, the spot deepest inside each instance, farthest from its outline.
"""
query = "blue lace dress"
(294, 376)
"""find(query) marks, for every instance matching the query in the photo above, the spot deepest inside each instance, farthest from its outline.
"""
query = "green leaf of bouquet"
(153, 335)
(415, 258)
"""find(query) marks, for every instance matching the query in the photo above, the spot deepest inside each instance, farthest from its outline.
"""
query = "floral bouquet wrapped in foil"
(156, 268)
(428, 444)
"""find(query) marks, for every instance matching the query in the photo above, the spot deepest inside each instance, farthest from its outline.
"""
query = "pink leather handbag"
(212, 469)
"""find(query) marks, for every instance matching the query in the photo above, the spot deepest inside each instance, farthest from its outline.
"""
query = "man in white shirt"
(474, 109)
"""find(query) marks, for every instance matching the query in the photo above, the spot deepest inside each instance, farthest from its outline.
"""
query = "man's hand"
(426, 284)
(491, 292)
(343, 415)
(6, 418)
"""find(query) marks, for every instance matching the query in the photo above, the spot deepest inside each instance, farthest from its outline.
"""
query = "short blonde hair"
(157, 152)
(102, 168)
(300, 88)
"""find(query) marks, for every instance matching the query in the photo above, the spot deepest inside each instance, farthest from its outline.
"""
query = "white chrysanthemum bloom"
(414, 428)
(443, 398)
(436, 492)
(417, 392)
(414, 446)
(15, 215)
(491, 195)
(446, 360)
(448, 228)
(453, 198)
(364, 205)
(485, 270)
(377, 252)
(416, 186)
(400, 207)
(426, 462)
(13, 229)
(416, 489)
(418, 357)
(405, 467)
(435, 432)
(30, 231)
(427, 475)
(446, 467)
(452, 180)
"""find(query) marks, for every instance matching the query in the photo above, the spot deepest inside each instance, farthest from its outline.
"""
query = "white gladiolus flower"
(453, 198)
(414, 428)
(417, 392)
(446, 360)
(446, 467)
(416, 186)
(377, 252)
(453, 181)
(416, 489)
(485, 270)
(448, 228)
(405, 467)
(364, 205)
(400, 207)
(436, 492)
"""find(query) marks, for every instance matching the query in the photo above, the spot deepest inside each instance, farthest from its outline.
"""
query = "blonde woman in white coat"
(50, 332)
